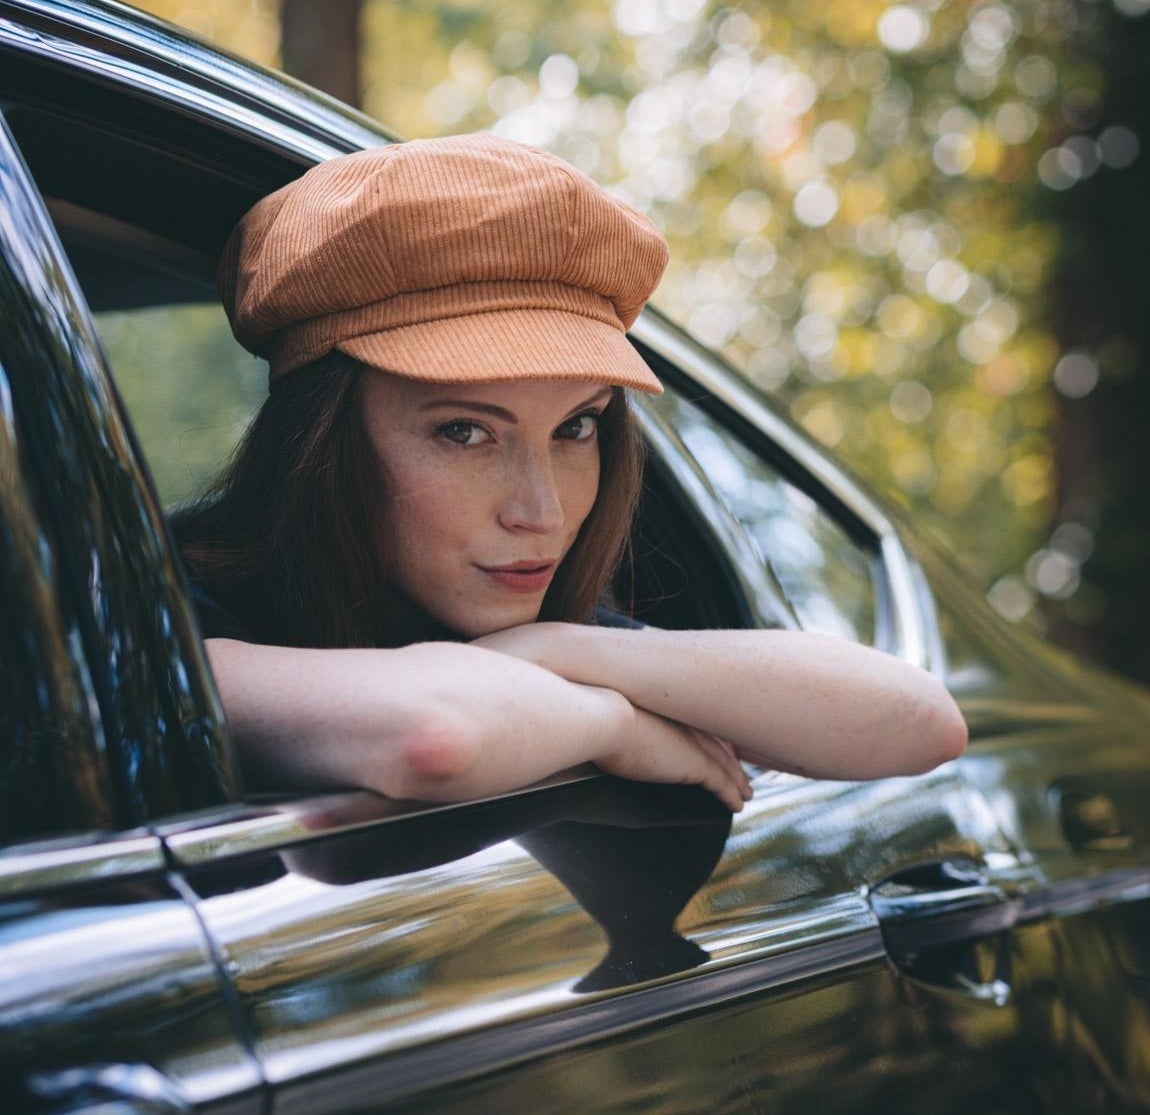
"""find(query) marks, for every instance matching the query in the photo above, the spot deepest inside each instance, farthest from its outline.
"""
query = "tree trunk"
(320, 45)
(1103, 440)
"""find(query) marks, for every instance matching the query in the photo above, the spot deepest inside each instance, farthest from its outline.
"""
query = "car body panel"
(975, 938)
(382, 965)
(104, 964)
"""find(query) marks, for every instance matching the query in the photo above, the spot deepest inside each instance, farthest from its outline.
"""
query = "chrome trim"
(912, 639)
(201, 102)
(767, 599)
(1080, 894)
(811, 950)
(244, 830)
(60, 863)
(197, 76)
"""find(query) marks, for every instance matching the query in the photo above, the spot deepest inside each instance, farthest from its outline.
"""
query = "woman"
(403, 571)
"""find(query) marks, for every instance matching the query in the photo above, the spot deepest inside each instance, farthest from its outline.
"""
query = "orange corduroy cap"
(469, 259)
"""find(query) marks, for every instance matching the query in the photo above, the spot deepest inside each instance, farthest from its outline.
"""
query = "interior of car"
(143, 226)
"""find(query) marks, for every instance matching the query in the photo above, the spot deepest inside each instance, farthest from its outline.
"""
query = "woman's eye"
(580, 428)
(461, 432)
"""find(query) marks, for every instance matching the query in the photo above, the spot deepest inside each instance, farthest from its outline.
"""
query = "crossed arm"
(790, 700)
(447, 721)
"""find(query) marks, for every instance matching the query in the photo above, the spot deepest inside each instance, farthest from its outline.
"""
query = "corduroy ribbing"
(448, 236)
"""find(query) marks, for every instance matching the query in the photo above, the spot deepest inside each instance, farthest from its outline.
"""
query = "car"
(977, 938)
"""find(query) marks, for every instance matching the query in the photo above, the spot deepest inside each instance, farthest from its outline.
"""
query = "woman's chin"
(477, 625)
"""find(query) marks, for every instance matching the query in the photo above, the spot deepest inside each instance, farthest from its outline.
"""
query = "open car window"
(189, 388)
(829, 581)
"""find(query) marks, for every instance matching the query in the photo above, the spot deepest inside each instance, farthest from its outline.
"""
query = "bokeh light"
(858, 198)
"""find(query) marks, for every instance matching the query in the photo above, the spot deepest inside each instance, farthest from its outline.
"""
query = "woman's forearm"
(813, 704)
(439, 722)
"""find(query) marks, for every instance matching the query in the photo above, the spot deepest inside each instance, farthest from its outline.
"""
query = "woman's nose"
(532, 501)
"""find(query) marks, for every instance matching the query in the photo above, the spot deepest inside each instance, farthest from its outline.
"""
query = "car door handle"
(106, 1089)
(939, 904)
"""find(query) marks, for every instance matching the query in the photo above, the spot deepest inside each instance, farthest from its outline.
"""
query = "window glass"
(190, 389)
(53, 769)
(827, 578)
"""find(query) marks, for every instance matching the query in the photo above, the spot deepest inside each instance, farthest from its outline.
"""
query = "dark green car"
(976, 939)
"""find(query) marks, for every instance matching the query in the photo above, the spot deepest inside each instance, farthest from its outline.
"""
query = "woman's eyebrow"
(601, 395)
(501, 412)
(471, 404)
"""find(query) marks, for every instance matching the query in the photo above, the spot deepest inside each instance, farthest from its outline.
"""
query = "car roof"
(116, 36)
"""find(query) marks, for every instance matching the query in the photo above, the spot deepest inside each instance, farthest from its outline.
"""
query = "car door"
(1058, 750)
(1062, 754)
(607, 946)
(615, 947)
(110, 997)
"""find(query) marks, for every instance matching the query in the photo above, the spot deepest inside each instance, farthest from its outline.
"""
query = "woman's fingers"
(723, 774)
(729, 761)
(659, 750)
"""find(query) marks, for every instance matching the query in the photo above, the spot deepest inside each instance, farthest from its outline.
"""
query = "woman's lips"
(522, 576)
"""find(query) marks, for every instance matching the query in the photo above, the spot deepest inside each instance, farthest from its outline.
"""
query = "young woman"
(402, 575)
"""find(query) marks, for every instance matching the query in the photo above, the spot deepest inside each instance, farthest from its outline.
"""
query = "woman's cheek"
(588, 487)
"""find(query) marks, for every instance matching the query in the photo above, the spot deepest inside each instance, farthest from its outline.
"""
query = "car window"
(53, 767)
(143, 220)
(124, 621)
(828, 579)
(190, 389)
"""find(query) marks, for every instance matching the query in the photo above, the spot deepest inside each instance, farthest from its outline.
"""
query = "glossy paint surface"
(111, 971)
(975, 940)
(404, 955)
(53, 754)
(159, 715)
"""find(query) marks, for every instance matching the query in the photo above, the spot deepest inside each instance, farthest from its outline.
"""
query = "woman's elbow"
(435, 759)
(939, 730)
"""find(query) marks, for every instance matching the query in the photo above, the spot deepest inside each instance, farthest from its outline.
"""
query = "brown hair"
(288, 540)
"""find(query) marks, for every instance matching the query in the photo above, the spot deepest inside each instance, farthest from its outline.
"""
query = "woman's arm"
(442, 722)
(813, 704)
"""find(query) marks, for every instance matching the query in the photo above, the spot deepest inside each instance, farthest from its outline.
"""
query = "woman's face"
(486, 486)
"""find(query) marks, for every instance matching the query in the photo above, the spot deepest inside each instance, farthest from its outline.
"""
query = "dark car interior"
(143, 227)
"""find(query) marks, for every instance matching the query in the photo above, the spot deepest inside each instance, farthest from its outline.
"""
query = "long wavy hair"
(289, 539)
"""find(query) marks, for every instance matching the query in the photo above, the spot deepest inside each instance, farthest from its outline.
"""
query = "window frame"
(142, 103)
(154, 704)
(905, 620)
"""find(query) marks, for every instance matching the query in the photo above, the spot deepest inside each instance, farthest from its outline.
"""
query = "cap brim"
(525, 343)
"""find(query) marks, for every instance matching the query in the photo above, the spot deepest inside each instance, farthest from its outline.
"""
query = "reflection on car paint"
(158, 712)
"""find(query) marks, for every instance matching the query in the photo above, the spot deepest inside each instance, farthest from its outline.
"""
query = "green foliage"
(861, 202)
(188, 386)
(857, 201)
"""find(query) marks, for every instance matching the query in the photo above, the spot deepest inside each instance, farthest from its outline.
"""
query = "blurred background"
(921, 226)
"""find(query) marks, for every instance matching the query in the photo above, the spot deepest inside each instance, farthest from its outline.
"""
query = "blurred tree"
(250, 29)
(1098, 550)
(854, 196)
(901, 218)
(319, 44)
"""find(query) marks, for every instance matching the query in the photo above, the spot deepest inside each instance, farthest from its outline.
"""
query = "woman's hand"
(654, 749)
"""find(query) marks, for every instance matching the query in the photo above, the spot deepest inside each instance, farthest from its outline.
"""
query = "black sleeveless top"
(217, 623)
